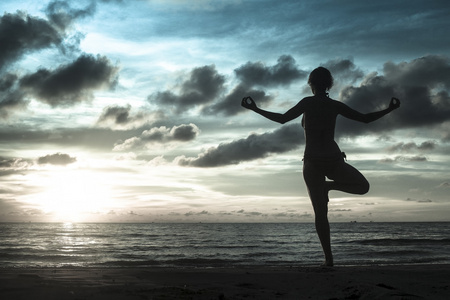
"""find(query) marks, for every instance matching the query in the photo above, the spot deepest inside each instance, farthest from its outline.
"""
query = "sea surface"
(204, 245)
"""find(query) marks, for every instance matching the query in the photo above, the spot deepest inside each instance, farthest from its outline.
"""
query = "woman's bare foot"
(327, 264)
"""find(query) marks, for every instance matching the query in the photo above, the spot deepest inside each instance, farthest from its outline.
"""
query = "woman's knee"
(365, 187)
(358, 179)
(320, 207)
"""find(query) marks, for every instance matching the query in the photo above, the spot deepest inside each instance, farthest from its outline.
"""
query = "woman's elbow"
(366, 119)
(284, 119)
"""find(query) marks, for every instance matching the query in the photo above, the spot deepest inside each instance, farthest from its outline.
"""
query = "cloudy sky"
(129, 111)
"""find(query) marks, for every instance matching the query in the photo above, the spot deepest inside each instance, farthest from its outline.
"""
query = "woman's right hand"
(248, 103)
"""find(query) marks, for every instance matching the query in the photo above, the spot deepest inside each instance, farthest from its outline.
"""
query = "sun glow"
(73, 195)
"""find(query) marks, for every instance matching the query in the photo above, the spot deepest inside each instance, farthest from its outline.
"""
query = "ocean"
(204, 245)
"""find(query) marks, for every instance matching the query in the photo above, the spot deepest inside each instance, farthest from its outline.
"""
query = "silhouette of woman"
(322, 157)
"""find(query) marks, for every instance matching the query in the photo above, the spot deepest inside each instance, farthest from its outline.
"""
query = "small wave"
(400, 242)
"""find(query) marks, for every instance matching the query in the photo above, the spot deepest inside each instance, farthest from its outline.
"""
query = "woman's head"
(320, 80)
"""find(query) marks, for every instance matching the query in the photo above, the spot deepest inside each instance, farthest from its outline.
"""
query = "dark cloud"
(121, 118)
(409, 147)
(56, 159)
(256, 74)
(63, 15)
(73, 83)
(201, 87)
(292, 215)
(425, 201)
(119, 114)
(344, 70)
(401, 158)
(181, 133)
(201, 213)
(255, 146)
(184, 132)
(11, 98)
(7, 81)
(416, 158)
(432, 71)
(283, 73)
(230, 104)
(132, 213)
(420, 85)
(21, 33)
(420, 200)
(205, 80)
(13, 163)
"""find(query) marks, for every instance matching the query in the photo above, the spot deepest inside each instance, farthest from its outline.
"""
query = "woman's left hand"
(394, 104)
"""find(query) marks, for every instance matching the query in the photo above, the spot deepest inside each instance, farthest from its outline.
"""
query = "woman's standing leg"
(315, 182)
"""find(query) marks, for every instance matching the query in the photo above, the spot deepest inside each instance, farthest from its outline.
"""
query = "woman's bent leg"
(347, 179)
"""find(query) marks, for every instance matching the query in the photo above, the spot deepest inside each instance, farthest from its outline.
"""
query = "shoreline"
(250, 282)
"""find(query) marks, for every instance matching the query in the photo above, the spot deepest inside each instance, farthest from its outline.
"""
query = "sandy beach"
(358, 282)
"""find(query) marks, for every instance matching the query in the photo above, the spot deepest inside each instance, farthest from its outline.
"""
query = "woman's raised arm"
(291, 114)
(370, 117)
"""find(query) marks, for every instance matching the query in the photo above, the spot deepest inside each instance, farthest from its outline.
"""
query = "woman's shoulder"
(307, 100)
(335, 103)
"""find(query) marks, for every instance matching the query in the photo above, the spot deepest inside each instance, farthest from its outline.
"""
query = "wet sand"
(345, 282)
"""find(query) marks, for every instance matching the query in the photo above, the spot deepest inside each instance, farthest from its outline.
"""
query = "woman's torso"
(319, 122)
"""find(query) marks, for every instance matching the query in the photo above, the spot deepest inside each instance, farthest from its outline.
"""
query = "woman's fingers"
(395, 102)
(248, 102)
